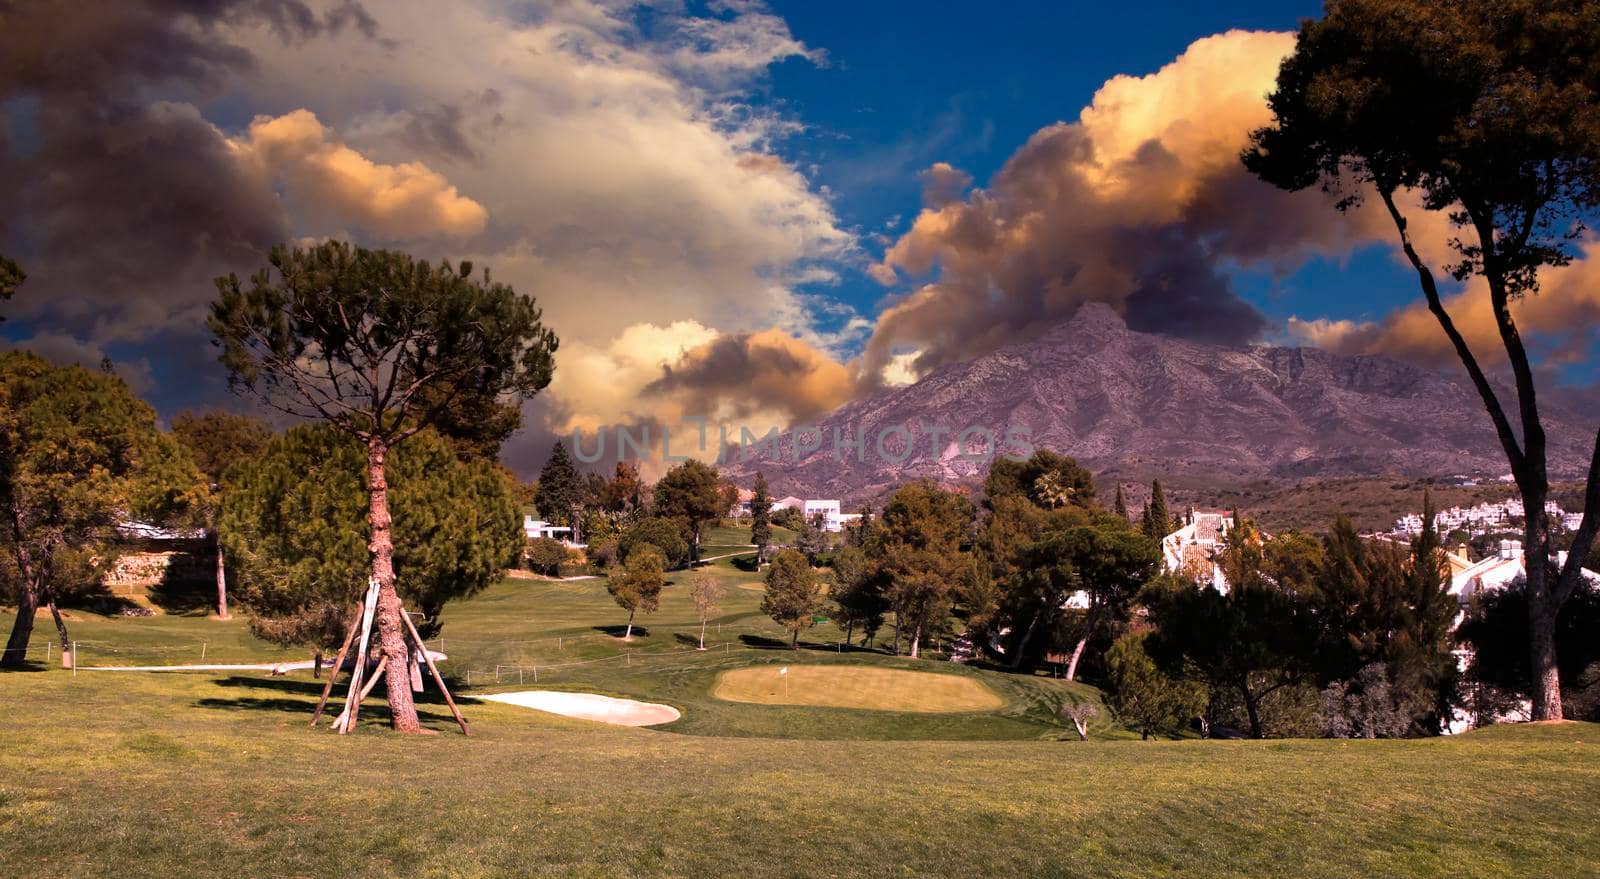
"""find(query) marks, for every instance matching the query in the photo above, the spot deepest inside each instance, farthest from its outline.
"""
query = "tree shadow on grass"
(639, 630)
(179, 592)
(300, 697)
(746, 563)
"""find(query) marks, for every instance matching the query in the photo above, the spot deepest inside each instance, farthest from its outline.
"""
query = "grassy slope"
(216, 774)
(191, 775)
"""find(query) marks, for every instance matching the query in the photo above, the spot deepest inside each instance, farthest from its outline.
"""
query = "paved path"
(274, 667)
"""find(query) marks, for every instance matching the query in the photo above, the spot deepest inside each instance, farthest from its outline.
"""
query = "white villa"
(1191, 550)
(833, 519)
(536, 528)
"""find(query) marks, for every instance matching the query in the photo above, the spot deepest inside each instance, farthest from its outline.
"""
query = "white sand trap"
(589, 706)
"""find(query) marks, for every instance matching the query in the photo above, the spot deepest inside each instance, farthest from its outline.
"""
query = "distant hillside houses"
(1484, 518)
(1191, 550)
(1507, 568)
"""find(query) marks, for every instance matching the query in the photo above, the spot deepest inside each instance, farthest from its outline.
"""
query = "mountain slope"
(1139, 404)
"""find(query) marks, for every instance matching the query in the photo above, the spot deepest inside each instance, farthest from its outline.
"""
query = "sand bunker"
(854, 686)
(589, 706)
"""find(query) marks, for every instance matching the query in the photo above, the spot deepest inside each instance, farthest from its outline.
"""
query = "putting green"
(854, 686)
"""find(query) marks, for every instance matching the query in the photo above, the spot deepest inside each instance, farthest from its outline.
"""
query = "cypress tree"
(1157, 521)
(1121, 506)
(760, 515)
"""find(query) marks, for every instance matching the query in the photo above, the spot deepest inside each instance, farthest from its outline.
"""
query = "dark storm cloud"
(122, 200)
(1140, 203)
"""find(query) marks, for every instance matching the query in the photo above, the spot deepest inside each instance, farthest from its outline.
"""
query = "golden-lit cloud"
(1559, 320)
(337, 185)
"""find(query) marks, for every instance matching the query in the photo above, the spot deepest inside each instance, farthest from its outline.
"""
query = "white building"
(1191, 550)
(536, 528)
(828, 510)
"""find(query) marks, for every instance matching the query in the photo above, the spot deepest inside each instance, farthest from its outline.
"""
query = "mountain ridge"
(1129, 403)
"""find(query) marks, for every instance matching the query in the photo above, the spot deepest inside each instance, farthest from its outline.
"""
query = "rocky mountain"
(1132, 405)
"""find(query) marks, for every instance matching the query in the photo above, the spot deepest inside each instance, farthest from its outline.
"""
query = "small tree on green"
(691, 493)
(922, 557)
(638, 586)
(857, 592)
(79, 454)
(794, 596)
(760, 515)
(705, 590)
(216, 441)
(546, 555)
(666, 535)
(379, 345)
(813, 540)
(1146, 698)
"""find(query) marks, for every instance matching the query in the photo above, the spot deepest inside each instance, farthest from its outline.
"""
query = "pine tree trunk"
(61, 625)
(16, 655)
(794, 640)
(1542, 653)
(1022, 646)
(1251, 709)
(702, 633)
(222, 583)
(402, 710)
(849, 632)
(1542, 611)
(1077, 653)
(916, 639)
(628, 635)
(897, 633)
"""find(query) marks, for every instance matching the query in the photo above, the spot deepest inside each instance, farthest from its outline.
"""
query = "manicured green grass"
(203, 775)
(864, 687)
(217, 774)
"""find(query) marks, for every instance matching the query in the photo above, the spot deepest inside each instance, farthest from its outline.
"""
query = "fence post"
(74, 659)
(202, 651)
(536, 674)
(47, 653)
(519, 675)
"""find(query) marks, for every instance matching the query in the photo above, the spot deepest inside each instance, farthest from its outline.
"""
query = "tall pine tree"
(760, 515)
(560, 488)
(1121, 506)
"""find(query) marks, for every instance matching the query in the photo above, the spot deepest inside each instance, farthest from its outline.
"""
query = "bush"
(790, 518)
(546, 555)
(665, 535)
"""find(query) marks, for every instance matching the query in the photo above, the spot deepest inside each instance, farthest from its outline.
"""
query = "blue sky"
(908, 84)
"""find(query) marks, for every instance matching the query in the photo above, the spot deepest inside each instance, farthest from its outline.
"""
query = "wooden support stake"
(349, 717)
(437, 678)
(352, 703)
(338, 666)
